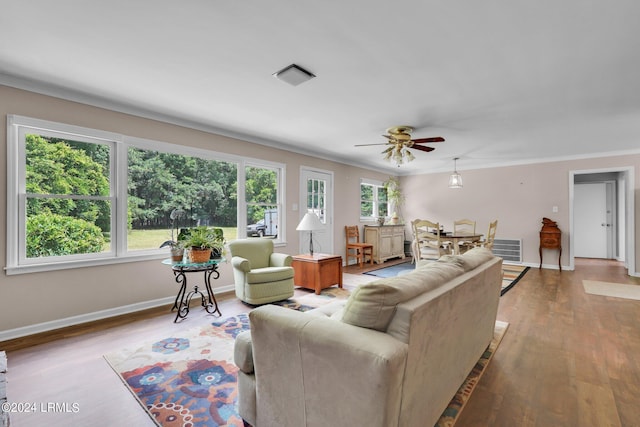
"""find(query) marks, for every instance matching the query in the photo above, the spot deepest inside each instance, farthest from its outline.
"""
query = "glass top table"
(183, 299)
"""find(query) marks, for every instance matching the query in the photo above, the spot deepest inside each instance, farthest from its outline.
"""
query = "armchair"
(261, 276)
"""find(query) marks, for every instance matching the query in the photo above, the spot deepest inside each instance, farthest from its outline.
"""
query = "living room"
(518, 194)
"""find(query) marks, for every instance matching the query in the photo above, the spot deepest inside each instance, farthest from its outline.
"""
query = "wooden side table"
(550, 238)
(317, 271)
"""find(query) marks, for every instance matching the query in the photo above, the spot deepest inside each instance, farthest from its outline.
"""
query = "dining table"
(456, 238)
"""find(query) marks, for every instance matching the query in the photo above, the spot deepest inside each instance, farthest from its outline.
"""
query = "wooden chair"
(464, 226)
(427, 241)
(360, 250)
(491, 236)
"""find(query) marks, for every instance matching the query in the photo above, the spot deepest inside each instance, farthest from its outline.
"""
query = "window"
(78, 197)
(373, 200)
(169, 191)
(262, 201)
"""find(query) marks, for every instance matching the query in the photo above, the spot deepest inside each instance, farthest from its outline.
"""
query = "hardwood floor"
(568, 359)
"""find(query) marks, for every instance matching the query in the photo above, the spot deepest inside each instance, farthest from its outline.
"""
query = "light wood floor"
(568, 359)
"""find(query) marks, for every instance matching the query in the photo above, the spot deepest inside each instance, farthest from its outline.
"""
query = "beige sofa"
(393, 354)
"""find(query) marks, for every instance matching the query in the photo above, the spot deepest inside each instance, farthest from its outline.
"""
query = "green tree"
(54, 235)
(55, 167)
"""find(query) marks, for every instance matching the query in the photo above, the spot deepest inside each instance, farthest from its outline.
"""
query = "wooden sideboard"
(387, 241)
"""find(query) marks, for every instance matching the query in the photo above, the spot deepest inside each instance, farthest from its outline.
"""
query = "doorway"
(316, 195)
(595, 227)
(602, 216)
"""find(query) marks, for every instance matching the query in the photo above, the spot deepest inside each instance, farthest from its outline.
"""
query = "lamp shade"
(309, 222)
(455, 180)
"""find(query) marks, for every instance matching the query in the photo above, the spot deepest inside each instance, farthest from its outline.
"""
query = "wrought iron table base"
(183, 299)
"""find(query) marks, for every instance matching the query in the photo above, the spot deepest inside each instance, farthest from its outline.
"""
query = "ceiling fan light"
(410, 157)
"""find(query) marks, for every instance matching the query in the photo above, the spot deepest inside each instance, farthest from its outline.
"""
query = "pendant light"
(455, 180)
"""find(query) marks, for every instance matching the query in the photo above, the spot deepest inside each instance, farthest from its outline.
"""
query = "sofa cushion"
(372, 305)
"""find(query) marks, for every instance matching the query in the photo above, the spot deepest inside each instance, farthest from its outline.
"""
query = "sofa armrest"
(280, 260)
(241, 264)
(324, 361)
(243, 353)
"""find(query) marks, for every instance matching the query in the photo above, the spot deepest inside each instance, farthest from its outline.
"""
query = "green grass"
(152, 239)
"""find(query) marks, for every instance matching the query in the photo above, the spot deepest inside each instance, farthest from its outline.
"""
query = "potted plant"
(175, 245)
(395, 196)
(202, 241)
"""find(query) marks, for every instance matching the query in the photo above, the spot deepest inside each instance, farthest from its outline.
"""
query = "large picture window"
(78, 196)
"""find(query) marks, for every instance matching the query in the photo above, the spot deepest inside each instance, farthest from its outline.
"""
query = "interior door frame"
(330, 211)
(628, 181)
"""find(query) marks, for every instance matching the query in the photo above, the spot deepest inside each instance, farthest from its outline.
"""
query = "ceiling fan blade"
(423, 140)
(423, 148)
(366, 145)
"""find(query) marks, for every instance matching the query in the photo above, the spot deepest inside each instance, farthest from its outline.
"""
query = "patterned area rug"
(189, 379)
(511, 275)
(310, 301)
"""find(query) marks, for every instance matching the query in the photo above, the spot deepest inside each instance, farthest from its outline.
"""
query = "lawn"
(149, 239)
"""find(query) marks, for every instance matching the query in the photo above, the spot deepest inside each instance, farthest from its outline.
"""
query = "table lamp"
(310, 222)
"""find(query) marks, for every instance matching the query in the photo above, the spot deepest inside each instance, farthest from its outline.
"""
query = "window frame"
(16, 261)
(376, 184)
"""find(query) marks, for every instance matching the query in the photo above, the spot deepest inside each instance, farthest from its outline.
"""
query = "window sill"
(39, 268)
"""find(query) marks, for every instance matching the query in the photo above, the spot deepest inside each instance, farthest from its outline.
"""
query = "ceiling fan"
(399, 142)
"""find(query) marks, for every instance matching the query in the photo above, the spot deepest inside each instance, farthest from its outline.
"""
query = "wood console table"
(317, 271)
(550, 238)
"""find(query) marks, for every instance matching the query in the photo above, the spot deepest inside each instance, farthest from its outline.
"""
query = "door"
(593, 228)
(316, 195)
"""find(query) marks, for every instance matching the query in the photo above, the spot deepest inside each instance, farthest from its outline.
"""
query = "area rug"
(607, 289)
(189, 378)
(392, 271)
(311, 300)
(511, 274)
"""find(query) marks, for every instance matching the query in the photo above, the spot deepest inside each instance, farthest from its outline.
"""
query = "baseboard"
(90, 317)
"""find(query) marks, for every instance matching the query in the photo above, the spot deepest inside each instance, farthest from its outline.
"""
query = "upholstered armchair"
(261, 276)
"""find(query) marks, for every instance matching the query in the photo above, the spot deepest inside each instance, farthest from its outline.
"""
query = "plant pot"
(177, 255)
(198, 255)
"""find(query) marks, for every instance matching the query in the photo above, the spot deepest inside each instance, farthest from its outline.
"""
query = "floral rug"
(189, 379)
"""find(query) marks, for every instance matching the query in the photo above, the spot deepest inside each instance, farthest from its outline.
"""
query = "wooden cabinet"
(317, 271)
(550, 238)
(387, 241)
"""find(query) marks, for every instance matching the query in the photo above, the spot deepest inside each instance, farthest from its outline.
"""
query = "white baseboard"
(90, 317)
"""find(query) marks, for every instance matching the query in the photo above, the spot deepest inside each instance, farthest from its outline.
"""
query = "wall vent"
(510, 250)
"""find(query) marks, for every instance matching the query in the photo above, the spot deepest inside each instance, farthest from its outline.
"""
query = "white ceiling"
(503, 81)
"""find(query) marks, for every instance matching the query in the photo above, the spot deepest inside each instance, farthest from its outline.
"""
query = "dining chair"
(427, 240)
(490, 237)
(354, 248)
(464, 226)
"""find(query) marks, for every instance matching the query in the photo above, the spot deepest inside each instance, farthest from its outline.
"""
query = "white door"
(316, 195)
(592, 221)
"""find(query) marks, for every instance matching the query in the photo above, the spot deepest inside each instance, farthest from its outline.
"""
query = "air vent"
(510, 250)
(294, 75)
